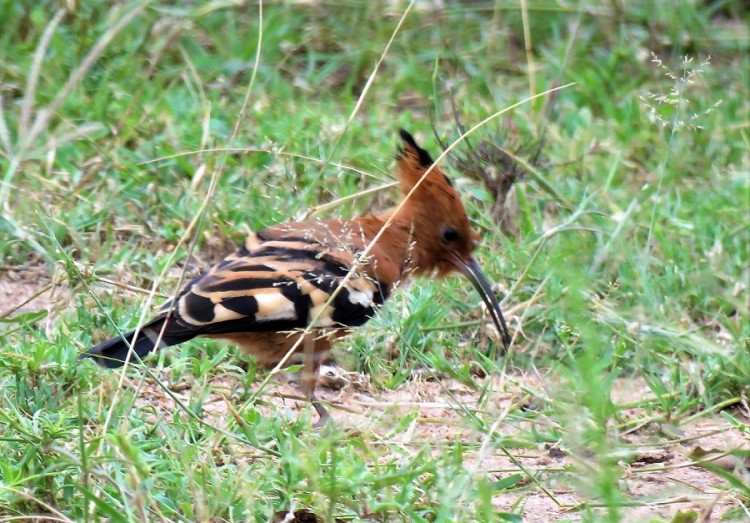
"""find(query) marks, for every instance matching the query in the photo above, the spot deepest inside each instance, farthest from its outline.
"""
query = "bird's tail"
(114, 352)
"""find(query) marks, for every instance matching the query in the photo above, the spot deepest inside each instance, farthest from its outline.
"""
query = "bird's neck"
(395, 249)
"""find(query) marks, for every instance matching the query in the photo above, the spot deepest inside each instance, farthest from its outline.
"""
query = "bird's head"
(443, 238)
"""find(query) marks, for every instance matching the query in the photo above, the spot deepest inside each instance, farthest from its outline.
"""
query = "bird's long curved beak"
(470, 268)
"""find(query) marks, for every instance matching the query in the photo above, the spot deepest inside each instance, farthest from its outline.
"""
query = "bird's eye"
(450, 234)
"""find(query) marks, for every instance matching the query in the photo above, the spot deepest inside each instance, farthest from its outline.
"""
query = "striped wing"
(278, 285)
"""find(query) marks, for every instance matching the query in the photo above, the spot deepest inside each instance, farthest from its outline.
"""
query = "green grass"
(631, 263)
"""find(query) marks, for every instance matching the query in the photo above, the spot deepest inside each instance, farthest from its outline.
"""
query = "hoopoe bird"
(301, 286)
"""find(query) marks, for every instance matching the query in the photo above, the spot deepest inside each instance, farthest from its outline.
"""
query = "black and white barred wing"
(269, 285)
(278, 285)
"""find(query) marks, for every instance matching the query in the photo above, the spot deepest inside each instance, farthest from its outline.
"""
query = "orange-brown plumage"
(319, 279)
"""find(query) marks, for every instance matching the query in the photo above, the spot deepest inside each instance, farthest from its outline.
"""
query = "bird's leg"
(310, 379)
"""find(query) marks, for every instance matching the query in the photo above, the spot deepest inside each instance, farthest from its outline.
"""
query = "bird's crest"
(412, 162)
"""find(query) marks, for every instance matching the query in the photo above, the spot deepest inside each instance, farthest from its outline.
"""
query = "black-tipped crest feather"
(425, 160)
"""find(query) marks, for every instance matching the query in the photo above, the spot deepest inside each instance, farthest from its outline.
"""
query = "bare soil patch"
(24, 289)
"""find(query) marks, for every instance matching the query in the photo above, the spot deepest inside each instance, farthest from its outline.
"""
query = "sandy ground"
(24, 290)
(659, 470)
